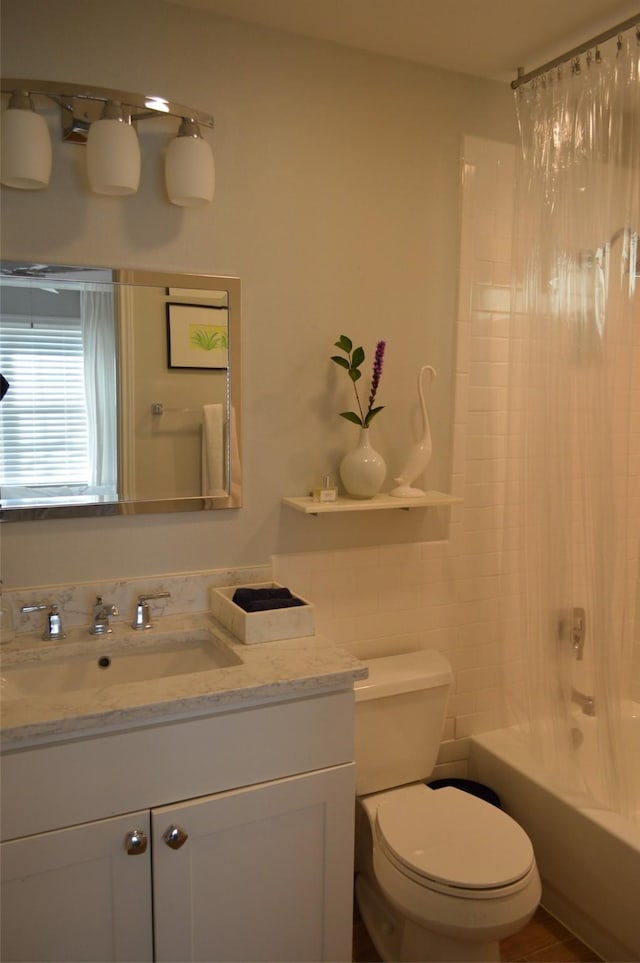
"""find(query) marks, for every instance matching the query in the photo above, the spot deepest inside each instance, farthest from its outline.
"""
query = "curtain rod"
(523, 78)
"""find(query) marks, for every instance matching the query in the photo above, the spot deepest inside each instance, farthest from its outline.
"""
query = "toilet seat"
(452, 842)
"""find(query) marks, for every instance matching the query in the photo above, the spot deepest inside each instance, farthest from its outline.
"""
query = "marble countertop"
(266, 672)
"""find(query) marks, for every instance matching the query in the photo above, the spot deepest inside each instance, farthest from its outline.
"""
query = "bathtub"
(588, 856)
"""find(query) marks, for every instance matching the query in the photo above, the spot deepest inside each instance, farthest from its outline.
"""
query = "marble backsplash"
(188, 594)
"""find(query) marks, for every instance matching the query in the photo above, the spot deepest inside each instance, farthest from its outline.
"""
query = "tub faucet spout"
(586, 702)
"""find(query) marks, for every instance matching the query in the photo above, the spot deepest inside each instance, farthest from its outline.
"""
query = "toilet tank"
(399, 717)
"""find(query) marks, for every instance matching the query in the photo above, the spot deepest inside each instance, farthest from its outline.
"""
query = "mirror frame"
(141, 506)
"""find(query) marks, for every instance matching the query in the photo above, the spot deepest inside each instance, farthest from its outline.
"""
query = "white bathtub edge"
(589, 859)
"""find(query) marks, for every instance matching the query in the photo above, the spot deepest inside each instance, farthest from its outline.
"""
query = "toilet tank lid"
(407, 672)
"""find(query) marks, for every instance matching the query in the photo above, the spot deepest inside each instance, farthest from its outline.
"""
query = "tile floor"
(544, 940)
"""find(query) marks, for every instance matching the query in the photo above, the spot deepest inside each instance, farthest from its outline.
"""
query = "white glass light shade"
(113, 157)
(26, 150)
(189, 172)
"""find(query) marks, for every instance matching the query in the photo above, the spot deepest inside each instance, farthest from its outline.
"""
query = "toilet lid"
(453, 838)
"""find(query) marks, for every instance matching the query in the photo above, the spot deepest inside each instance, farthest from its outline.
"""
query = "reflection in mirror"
(120, 392)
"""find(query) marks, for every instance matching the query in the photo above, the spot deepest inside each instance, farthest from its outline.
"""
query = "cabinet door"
(77, 895)
(266, 873)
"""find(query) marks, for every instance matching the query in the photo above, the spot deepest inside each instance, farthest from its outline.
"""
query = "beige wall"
(337, 205)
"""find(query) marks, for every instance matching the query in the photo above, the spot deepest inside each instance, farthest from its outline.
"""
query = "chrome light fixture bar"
(106, 120)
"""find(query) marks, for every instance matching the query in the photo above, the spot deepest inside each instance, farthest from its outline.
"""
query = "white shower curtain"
(575, 408)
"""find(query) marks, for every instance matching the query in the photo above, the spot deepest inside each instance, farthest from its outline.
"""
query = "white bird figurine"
(421, 452)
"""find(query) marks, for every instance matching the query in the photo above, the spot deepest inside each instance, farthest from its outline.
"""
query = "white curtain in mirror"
(98, 335)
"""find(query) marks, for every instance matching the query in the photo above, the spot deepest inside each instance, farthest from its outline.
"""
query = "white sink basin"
(106, 666)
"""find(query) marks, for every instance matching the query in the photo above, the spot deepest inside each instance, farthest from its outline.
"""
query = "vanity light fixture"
(106, 121)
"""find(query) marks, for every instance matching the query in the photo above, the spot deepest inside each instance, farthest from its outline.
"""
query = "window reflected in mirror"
(58, 356)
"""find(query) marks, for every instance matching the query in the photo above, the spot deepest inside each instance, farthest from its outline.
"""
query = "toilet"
(441, 875)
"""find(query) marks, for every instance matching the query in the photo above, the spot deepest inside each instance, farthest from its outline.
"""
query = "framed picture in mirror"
(197, 336)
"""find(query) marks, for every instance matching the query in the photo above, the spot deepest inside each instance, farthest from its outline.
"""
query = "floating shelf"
(379, 503)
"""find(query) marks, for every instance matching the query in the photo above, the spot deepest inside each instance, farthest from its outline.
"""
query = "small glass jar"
(326, 492)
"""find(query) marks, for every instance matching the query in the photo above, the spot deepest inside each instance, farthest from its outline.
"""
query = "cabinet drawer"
(64, 784)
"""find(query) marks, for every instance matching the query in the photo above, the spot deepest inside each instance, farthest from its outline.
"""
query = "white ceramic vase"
(363, 469)
(420, 454)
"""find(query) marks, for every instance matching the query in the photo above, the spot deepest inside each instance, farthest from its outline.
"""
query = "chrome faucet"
(586, 702)
(142, 618)
(53, 631)
(101, 615)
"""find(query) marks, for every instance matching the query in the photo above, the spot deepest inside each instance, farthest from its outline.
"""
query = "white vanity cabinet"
(75, 894)
(260, 876)
(247, 818)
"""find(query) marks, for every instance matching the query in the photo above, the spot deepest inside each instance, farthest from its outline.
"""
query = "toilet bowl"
(440, 874)
(460, 870)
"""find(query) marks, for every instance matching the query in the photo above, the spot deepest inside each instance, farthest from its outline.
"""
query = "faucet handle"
(53, 631)
(34, 608)
(54, 624)
(142, 618)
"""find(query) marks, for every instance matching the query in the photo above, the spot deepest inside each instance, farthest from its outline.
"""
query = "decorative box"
(266, 626)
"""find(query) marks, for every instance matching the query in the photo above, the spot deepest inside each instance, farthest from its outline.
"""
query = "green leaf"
(351, 416)
(374, 411)
(354, 374)
(341, 361)
(357, 357)
(345, 343)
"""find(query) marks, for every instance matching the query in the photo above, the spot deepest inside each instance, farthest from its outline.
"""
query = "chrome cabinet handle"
(136, 842)
(175, 836)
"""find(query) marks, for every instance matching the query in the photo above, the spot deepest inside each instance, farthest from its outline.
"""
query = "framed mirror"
(120, 392)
